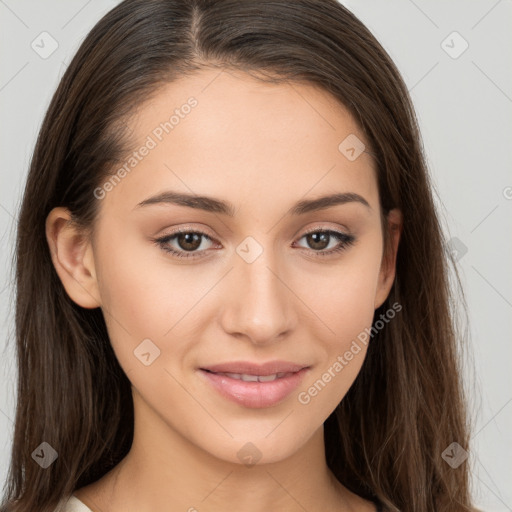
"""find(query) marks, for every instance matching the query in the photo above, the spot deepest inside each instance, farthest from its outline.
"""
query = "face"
(257, 273)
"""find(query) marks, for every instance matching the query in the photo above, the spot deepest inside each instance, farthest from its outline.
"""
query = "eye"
(320, 240)
(189, 243)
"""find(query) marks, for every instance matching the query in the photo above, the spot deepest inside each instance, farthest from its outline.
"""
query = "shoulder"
(72, 504)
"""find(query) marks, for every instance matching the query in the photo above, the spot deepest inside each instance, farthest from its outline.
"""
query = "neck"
(165, 471)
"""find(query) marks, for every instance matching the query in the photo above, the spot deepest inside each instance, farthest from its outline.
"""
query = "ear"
(72, 257)
(388, 265)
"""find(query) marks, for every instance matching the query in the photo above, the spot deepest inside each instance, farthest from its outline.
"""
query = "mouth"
(252, 385)
(246, 377)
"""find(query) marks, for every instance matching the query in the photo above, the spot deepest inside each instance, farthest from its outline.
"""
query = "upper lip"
(248, 368)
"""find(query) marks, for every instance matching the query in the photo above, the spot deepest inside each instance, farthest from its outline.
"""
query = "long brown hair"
(386, 438)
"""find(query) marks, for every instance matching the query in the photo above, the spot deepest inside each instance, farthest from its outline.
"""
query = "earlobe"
(388, 265)
(72, 257)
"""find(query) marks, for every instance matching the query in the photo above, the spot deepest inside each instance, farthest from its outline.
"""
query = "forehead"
(229, 135)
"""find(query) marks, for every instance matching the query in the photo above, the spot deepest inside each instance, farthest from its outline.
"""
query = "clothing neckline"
(79, 505)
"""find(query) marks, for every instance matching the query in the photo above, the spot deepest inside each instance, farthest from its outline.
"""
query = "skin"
(262, 147)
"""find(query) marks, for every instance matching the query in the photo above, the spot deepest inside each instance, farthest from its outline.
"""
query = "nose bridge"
(260, 305)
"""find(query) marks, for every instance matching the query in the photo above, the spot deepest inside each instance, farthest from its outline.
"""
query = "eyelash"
(345, 242)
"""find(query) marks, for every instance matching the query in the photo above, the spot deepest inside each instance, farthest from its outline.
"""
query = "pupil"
(189, 241)
(318, 240)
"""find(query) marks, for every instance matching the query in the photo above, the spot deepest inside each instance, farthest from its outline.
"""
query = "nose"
(260, 304)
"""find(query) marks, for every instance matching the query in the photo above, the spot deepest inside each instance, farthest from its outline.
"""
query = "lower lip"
(255, 394)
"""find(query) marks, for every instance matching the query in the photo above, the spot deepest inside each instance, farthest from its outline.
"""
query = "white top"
(73, 504)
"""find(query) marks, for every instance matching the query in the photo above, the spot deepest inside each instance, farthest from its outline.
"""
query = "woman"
(232, 286)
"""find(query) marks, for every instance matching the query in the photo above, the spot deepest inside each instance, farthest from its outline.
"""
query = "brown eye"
(189, 241)
(318, 241)
(184, 244)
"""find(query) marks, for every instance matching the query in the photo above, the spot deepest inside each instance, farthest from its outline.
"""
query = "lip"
(255, 394)
(249, 368)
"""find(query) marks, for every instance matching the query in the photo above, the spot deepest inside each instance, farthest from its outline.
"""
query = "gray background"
(464, 105)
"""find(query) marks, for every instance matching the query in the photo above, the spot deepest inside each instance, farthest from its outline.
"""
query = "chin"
(247, 450)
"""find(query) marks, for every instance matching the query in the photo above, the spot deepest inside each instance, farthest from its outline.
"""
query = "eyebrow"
(210, 204)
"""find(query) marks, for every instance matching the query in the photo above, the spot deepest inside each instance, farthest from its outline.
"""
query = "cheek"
(134, 293)
(136, 282)
(343, 295)
(146, 296)
(345, 305)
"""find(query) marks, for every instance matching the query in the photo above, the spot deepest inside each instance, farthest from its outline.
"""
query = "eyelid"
(314, 229)
(344, 237)
(187, 229)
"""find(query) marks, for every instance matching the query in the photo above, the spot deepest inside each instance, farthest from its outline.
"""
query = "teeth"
(254, 378)
(268, 378)
(249, 378)
(232, 375)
